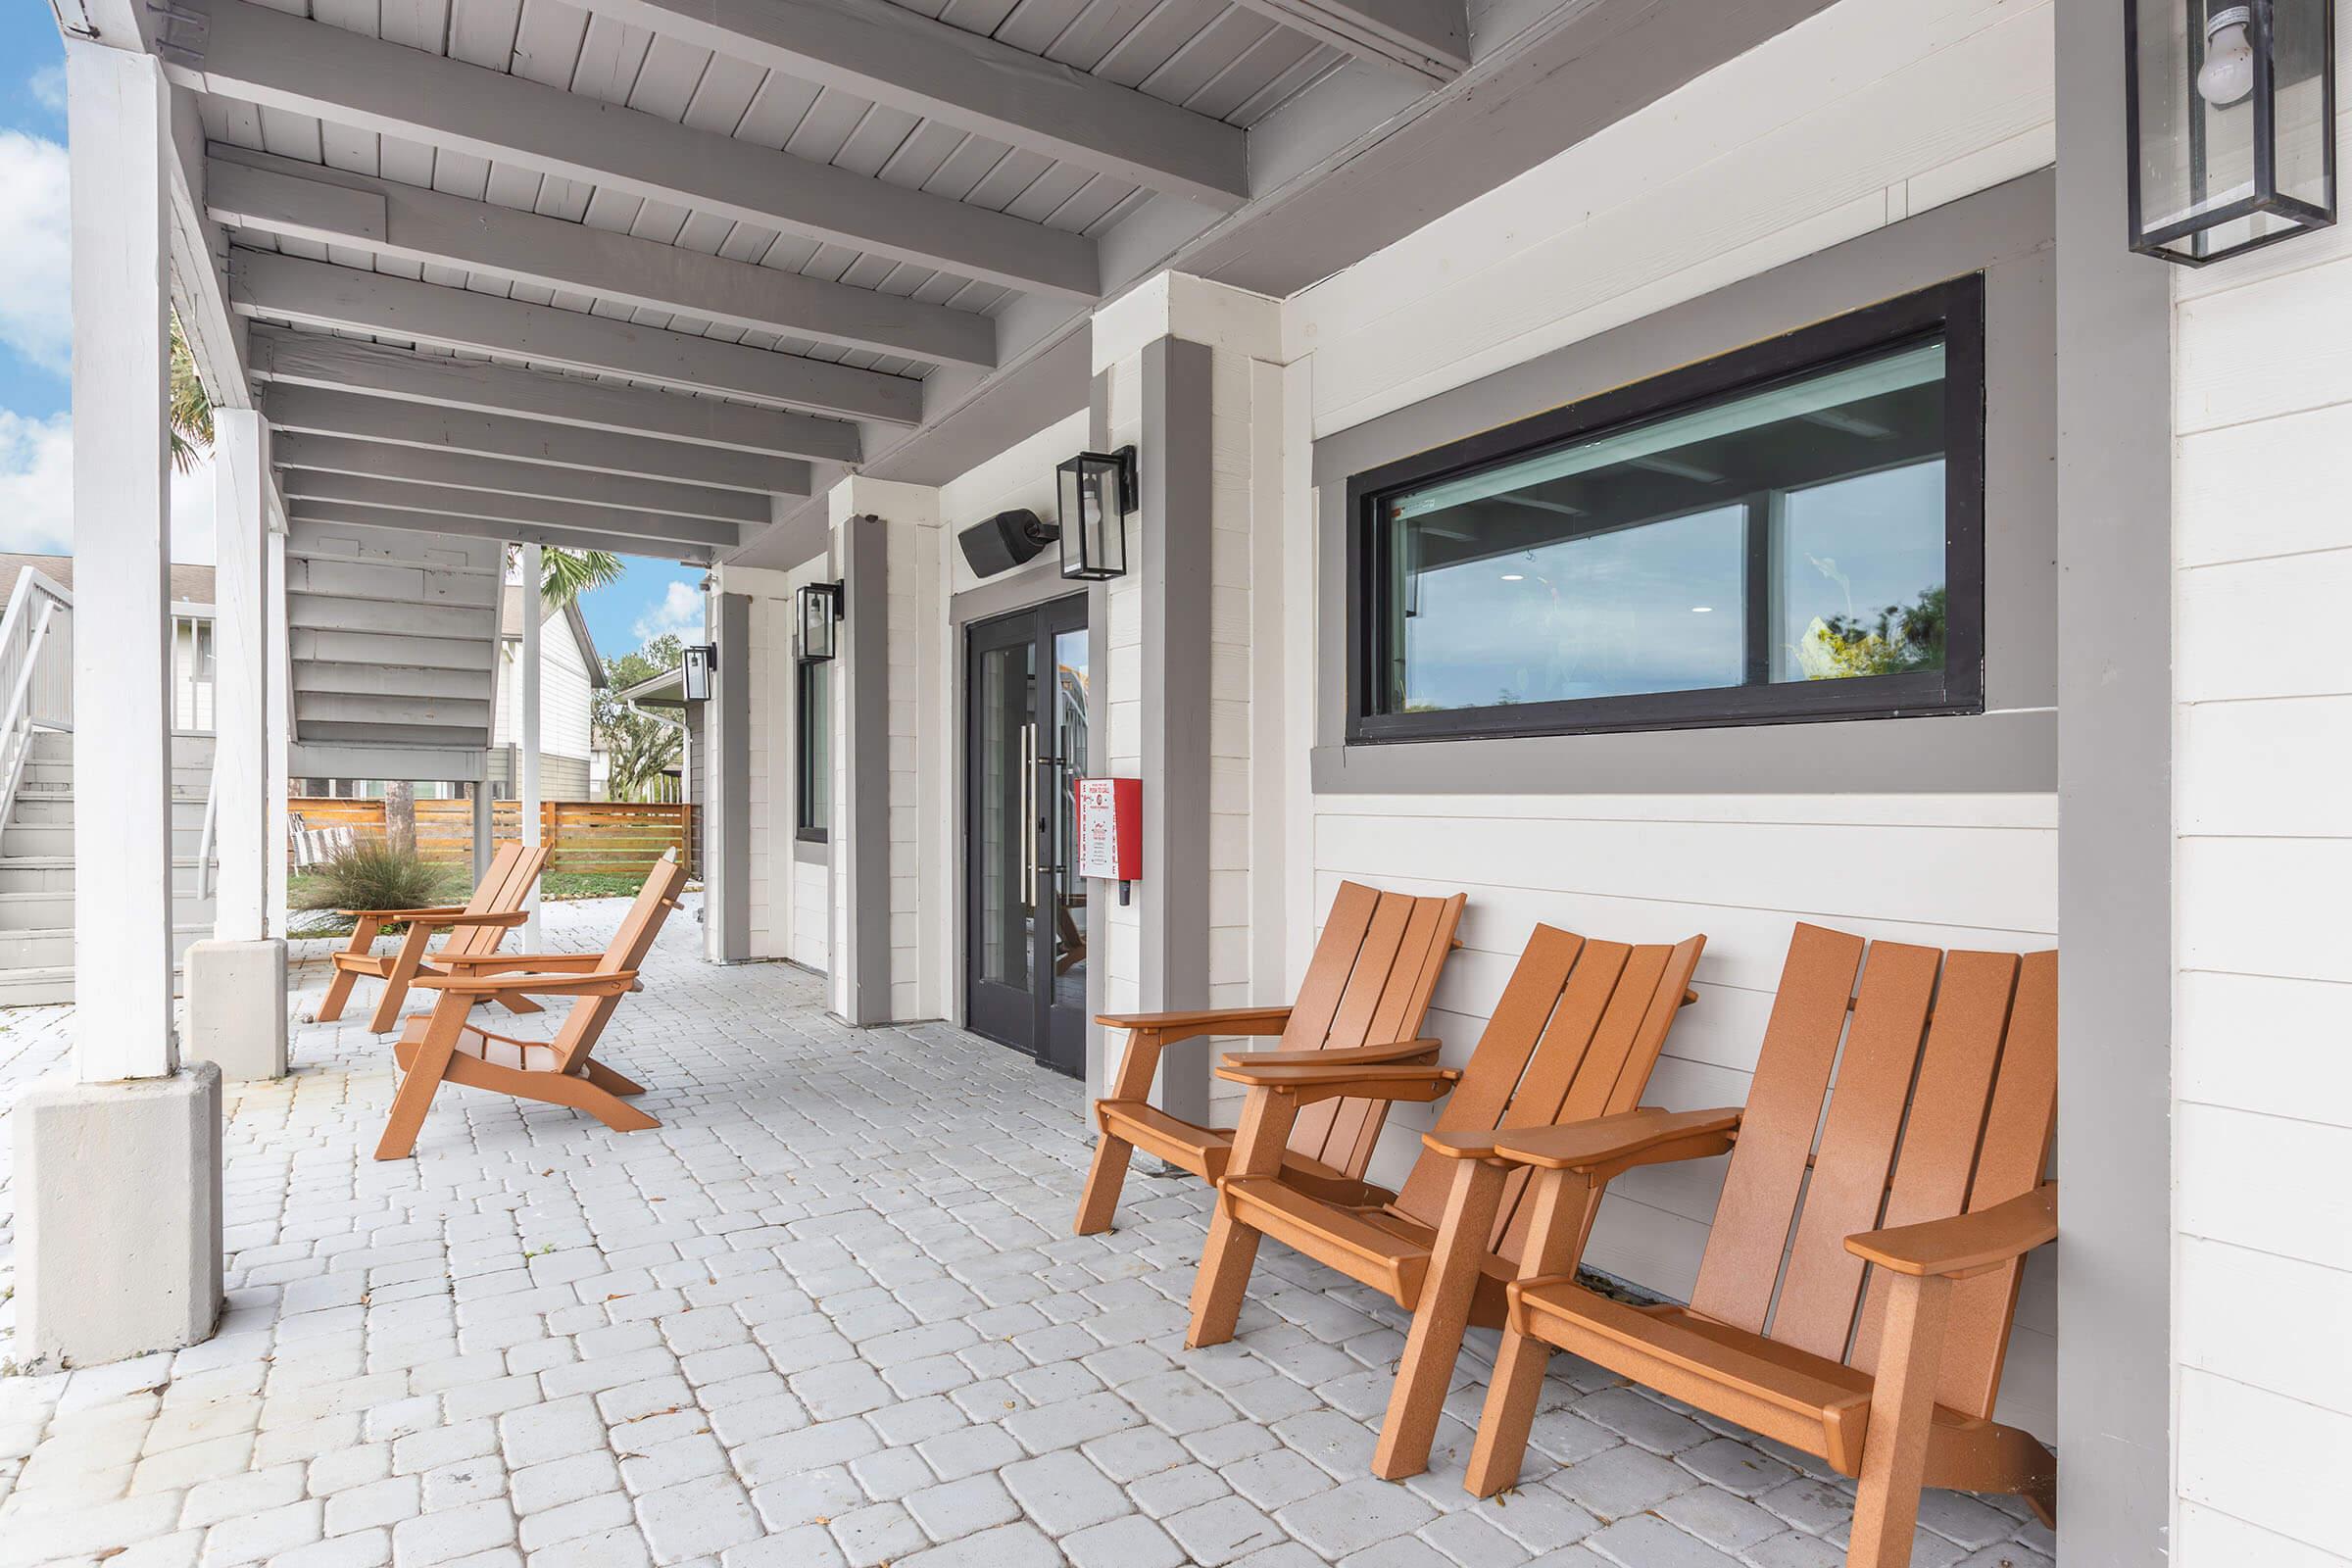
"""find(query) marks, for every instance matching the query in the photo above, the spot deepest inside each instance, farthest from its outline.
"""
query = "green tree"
(190, 412)
(565, 574)
(639, 747)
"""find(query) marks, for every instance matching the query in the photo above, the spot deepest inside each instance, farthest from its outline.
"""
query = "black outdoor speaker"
(1005, 540)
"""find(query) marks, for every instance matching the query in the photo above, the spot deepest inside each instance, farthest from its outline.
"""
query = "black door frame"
(1036, 1022)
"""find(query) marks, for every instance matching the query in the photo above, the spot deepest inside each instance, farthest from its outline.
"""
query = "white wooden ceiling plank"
(405, 159)
(703, 234)
(982, 17)
(1085, 209)
(667, 80)
(1098, 28)
(291, 134)
(919, 156)
(1206, 55)
(724, 95)
(1049, 191)
(1272, 52)
(1014, 174)
(457, 174)
(418, 24)
(1143, 50)
(612, 53)
(1319, 62)
(878, 136)
(413, 465)
(827, 125)
(777, 110)
(512, 185)
(967, 166)
(348, 147)
(1032, 26)
(749, 242)
(1426, 41)
(547, 42)
(482, 32)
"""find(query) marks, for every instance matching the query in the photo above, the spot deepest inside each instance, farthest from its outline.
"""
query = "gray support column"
(236, 982)
(280, 727)
(2115, 838)
(1098, 764)
(861, 842)
(117, 1167)
(728, 828)
(1173, 560)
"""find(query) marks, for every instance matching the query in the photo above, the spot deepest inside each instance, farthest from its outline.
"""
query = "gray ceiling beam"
(329, 454)
(272, 195)
(267, 58)
(429, 427)
(903, 59)
(335, 512)
(490, 506)
(310, 359)
(345, 298)
(1426, 41)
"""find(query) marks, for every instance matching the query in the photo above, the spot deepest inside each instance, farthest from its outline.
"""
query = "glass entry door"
(1025, 952)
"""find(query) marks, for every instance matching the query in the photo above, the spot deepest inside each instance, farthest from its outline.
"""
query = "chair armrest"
(1342, 1057)
(1664, 1135)
(533, 963)
(535, 984)
(1308, 1084)
(407, 914)
(1203, 1021)
(1965, 1244)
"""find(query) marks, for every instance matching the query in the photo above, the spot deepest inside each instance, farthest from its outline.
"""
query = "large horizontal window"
(1791, 532)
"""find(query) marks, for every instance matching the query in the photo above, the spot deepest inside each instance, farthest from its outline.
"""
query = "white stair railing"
(36, 671)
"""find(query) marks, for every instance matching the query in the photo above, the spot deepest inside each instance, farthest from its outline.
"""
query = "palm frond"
(565, 574)
(191, 409)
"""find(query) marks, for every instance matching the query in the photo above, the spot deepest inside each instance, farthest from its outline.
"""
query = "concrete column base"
(118, 1191)
(238, 1008)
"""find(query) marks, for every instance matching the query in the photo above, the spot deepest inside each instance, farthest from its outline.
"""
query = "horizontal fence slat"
(606, 837)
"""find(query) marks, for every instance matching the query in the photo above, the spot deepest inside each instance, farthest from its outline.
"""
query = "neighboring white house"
(571, 673)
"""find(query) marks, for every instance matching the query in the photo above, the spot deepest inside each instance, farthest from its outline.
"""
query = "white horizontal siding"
(2262, 1084)
(1861, 115)
(1020, 475)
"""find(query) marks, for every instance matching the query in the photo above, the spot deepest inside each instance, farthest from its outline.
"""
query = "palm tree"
(565, 574)
(191, 407)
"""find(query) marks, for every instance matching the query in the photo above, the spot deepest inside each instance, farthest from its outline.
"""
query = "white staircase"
(36, 866)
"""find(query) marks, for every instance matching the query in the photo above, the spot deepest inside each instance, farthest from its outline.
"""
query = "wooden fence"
(593, 836)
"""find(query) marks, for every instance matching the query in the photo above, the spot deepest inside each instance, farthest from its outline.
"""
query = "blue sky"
(36, 392)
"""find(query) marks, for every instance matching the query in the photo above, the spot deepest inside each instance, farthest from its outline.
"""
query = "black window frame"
(805, 673)
(1953, 309)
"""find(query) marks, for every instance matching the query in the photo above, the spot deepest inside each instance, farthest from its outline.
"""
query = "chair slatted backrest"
(501, 889)
(626, 952)
(1578, 1029)
(1374, 968)
(1945, 1098)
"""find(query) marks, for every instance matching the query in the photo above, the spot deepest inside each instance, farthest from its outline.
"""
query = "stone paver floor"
(829, 1313)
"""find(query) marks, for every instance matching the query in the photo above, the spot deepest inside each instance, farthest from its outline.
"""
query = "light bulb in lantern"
(2228, 73)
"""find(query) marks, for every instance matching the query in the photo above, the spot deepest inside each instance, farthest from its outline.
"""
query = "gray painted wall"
(728, 828)
(2007, 233)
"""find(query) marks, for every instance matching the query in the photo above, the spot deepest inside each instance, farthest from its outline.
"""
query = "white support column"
(236, 983)
(530, 790)
(240, 756)
(278, 727)
(485, 824)
(117, 1170)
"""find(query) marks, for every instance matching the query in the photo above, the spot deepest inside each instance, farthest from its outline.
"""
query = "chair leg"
(396, 983)
(520, 1004)
(417, 1086)
(1440, 1316)
(1226, 1260)
(616, 1113)
(338, 989)
(1104, 1181)
(1509, 1414)
(610, 1082)
(1902, 1403)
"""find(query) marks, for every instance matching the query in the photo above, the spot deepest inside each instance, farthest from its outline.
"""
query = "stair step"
(35, 806)
(52, 947)
(53, 873)
(25, 840)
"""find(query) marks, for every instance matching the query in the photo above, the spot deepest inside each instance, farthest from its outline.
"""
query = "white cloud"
(36, 484)
(36, 493)
(36, 317)
(49, 87)
(680, 611)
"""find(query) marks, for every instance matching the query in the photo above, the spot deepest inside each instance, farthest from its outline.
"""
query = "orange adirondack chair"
(1575, 1036)
(1877, 1344)
(1366, 989)
(442, 1046)
(475, 930)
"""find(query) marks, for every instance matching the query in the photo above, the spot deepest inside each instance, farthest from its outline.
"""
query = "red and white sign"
(1110, 828)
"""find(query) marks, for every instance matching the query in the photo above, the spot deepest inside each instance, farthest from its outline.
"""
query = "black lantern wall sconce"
(2231, 111)
(823, 607)
(1097, 490)
(700, 664)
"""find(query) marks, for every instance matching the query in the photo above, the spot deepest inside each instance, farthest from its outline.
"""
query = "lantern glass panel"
(817, 622)
(1094, 531)
(2248, 158)
(697, 674)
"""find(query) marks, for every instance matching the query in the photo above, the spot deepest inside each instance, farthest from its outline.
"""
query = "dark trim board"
(2004, 233)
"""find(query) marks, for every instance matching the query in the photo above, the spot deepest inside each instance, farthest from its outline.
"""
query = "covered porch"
(830, 1312)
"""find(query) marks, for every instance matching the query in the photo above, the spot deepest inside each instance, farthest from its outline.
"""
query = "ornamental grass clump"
(374, 875)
